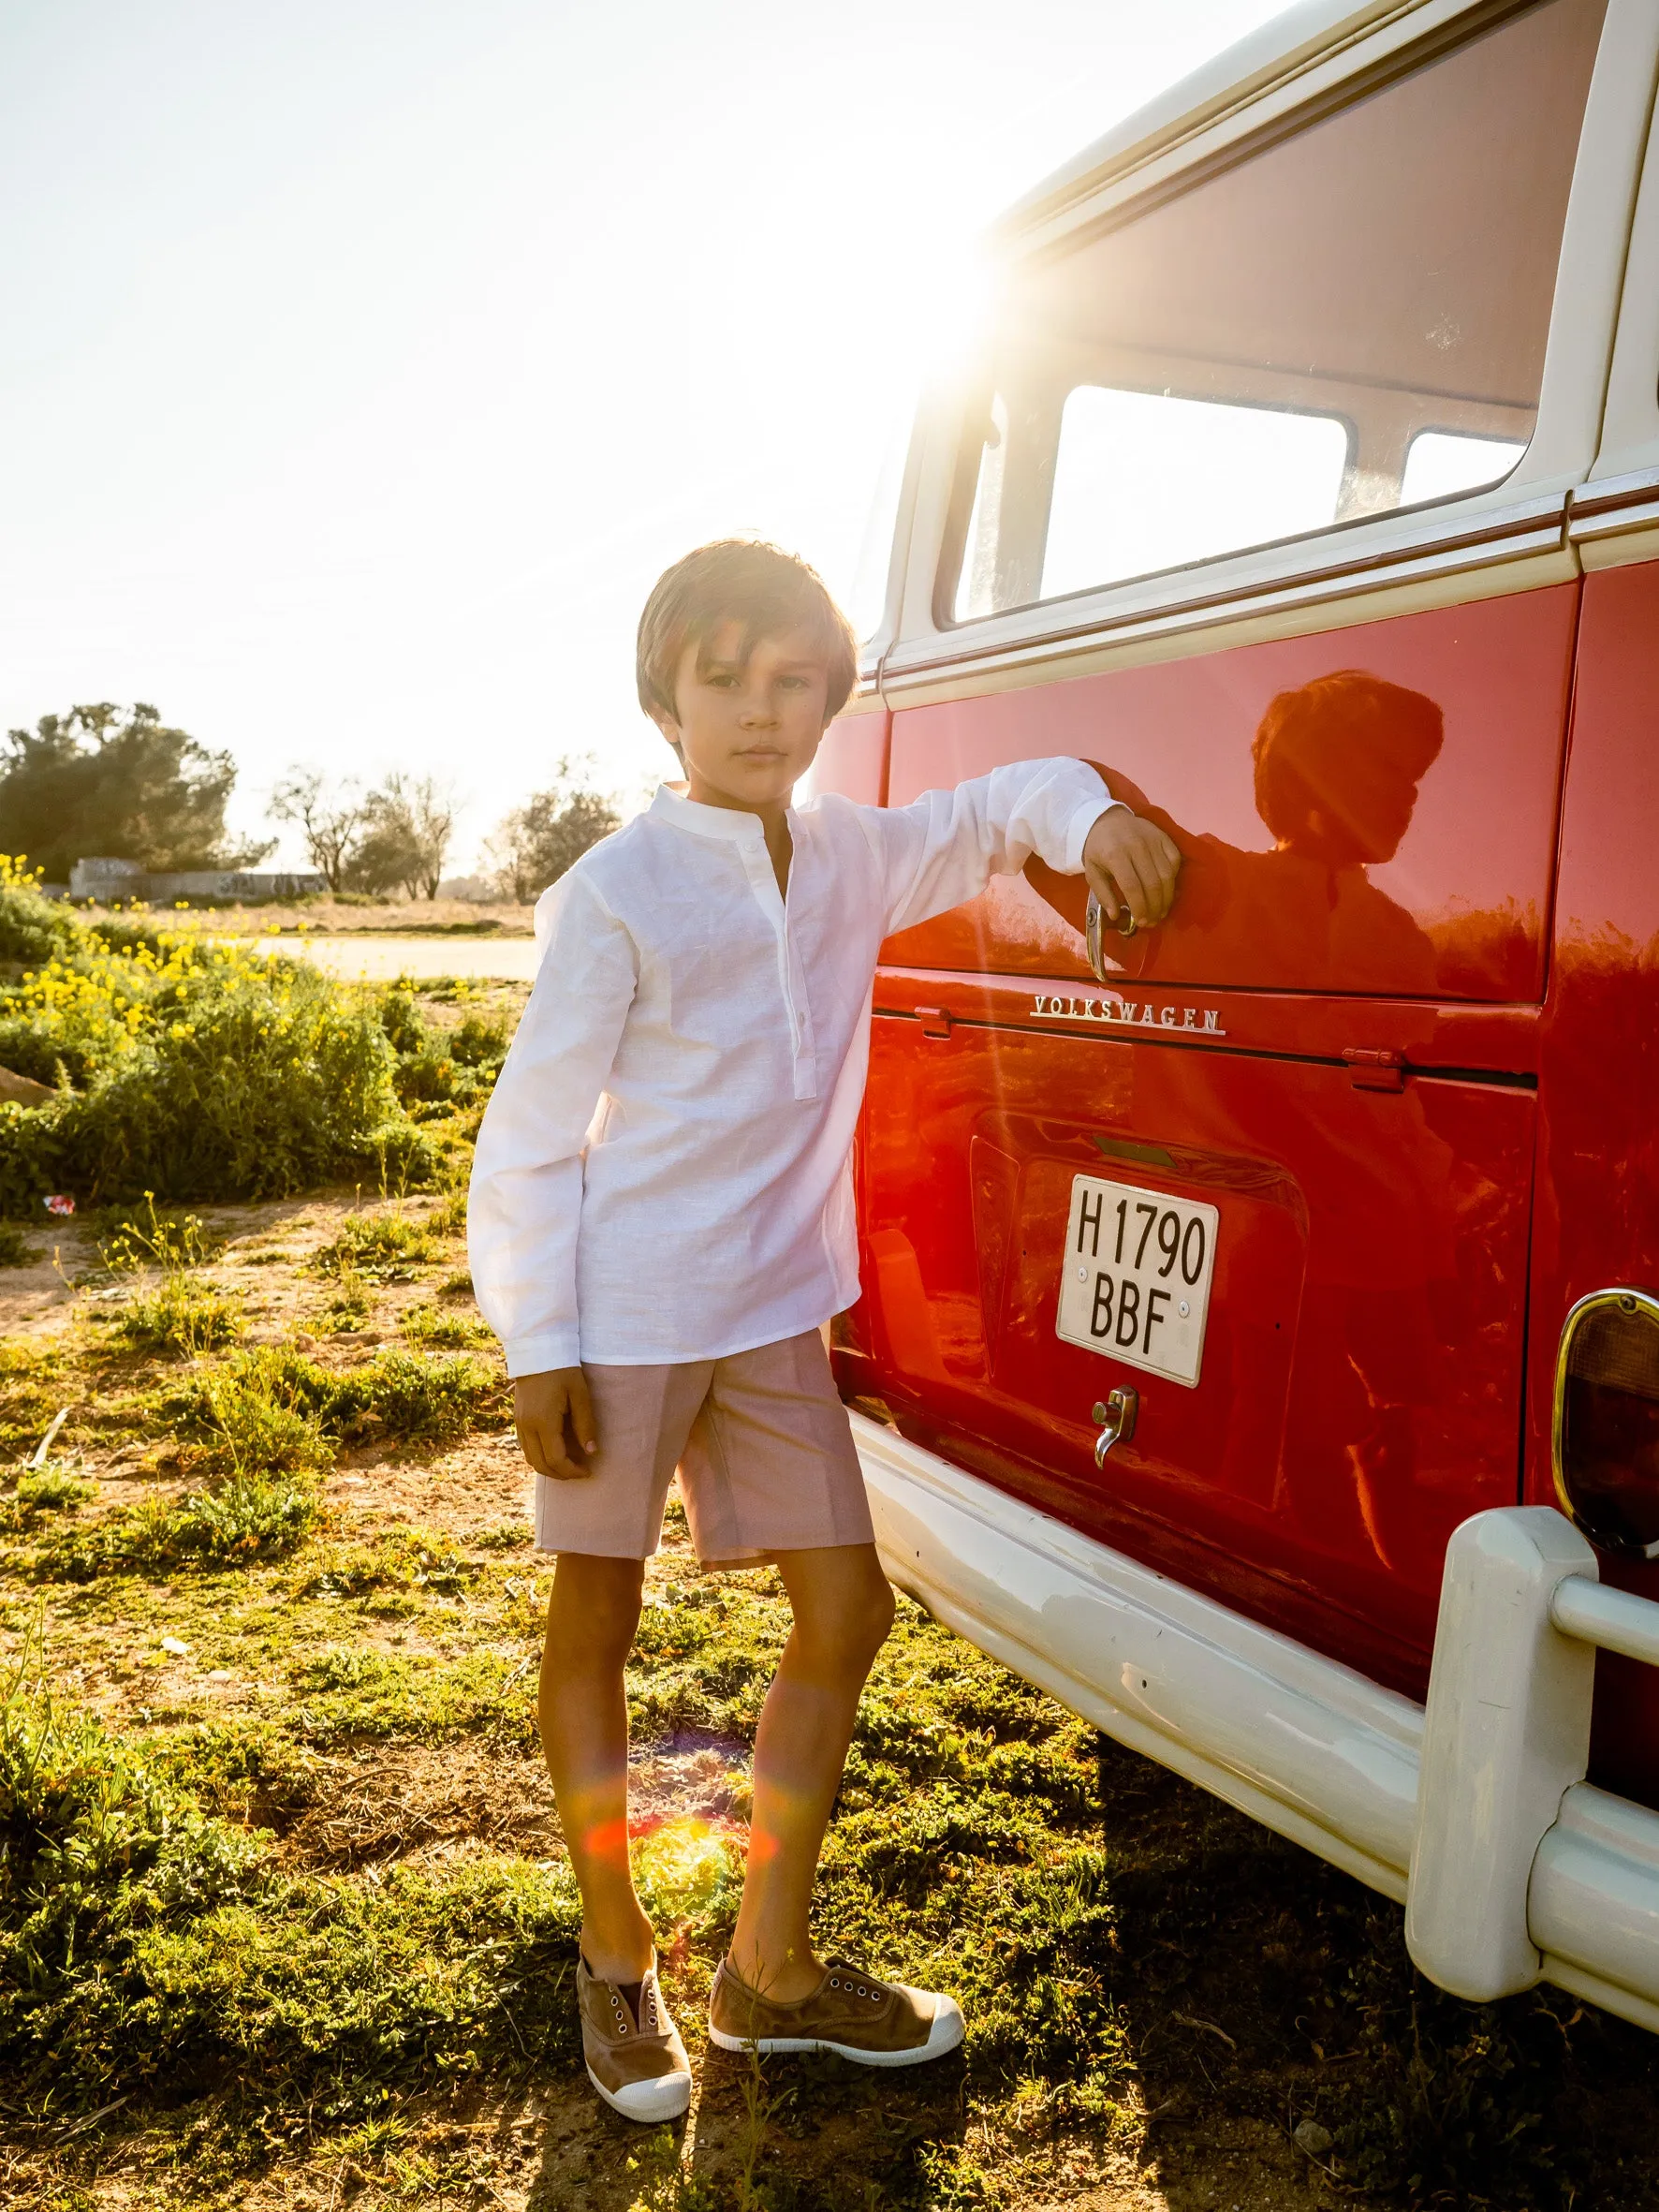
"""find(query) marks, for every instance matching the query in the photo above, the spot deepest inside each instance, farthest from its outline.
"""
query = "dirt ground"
(1254, 1991)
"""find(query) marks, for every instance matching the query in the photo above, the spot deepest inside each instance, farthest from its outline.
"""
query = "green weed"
(15, 1248)
(31, 926)
(430, 1324)
(403, 1558)
(450, 1218)
(508, 1536)
(425, 1401)
(247, 1517)
(238, 1522)
(95, 1853)
(196, 1068)
(352, 1301)
(139, 1236)
(379, 1247)
(436, 1066)
(52, 1490)
(275, 1409)
(260, 1412)
(358, 1693)
(180, 1316)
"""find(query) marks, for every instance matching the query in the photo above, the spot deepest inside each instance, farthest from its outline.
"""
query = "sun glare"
(353, 412)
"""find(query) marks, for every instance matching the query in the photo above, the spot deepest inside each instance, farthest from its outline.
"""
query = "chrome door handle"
(1116, 1421)
(1093, 924)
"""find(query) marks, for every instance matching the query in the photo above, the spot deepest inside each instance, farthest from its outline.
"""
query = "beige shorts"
(763, 1448)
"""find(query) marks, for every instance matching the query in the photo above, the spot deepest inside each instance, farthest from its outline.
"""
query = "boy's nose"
(757, 714)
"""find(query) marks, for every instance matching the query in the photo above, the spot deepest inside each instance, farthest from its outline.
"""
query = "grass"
(431, 1324)
(378, 1248)
(1121, 1944)
(285, 1916)
(274, 1409)
(52, 1490)
(186, 1065)
(152, 1948)
(180, 1316)
(243, 1519)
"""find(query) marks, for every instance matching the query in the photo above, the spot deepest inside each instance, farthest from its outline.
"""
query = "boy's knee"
(848, 1635)
(593, 1614)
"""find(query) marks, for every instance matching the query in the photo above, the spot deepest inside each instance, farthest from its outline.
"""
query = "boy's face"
(747, 732)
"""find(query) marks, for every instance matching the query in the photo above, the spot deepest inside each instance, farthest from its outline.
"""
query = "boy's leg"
(592, 1619)
(844, 1608)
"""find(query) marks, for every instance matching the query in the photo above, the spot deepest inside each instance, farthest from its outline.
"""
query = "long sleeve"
(947, 846)
(525, 1206)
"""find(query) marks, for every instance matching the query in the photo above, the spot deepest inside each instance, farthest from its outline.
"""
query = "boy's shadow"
(809, 2123)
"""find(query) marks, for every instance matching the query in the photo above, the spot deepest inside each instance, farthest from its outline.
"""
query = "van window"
(1351, 320)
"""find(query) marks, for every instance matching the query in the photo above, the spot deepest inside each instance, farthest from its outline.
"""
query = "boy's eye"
(793, 683)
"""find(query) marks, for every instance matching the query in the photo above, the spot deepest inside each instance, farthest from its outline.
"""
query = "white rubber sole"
(664, 2097)
(944, 2035)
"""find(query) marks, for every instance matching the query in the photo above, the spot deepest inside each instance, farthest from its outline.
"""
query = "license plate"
(1136, 1281)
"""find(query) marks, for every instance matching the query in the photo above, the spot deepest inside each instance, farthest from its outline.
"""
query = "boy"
(661, 1220)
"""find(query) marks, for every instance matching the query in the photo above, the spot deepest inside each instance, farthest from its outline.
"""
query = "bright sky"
(364, 362)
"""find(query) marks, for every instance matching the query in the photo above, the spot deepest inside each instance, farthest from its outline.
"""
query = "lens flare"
(684, 1860)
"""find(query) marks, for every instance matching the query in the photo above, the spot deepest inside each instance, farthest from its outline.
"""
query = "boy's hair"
(738, 580)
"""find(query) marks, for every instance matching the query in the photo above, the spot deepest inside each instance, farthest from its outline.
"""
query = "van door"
(1271, 1170)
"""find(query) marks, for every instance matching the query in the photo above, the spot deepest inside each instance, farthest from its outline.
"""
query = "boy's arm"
(525, 1206)
(947, 846)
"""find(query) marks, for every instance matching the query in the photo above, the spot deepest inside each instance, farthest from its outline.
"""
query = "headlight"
(1606, 1421)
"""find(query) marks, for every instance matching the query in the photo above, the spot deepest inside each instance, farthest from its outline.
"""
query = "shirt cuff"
(1077, 835)
(540, 1355)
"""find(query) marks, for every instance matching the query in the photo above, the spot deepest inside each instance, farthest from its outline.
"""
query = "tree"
(407, 826)
(89, 785)
(330, 817)
(535, 844)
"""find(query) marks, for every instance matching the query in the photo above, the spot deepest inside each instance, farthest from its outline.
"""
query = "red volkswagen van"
(1306, 481)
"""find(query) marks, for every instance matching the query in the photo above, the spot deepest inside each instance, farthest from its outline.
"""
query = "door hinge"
(934, 1020)
(1371, 1071)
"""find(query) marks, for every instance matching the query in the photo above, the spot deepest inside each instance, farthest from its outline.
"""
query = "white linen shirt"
(663, 1172)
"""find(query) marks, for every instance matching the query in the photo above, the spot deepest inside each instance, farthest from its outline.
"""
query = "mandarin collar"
(670, 805)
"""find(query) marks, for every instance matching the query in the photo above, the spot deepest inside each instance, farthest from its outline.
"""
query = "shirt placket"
(791, 974)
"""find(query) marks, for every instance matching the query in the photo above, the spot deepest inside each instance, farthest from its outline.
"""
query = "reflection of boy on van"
(1338, 762)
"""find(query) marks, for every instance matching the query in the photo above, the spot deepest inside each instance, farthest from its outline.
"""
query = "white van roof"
(1282, 48)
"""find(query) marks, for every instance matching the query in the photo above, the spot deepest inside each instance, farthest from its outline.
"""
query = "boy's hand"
(555, 1417)
(1130, 863)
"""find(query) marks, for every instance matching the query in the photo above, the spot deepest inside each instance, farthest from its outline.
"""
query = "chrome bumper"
(1472, 1812)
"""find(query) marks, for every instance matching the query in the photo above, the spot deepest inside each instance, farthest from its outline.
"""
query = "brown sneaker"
(639, 2067)
(872, 2023)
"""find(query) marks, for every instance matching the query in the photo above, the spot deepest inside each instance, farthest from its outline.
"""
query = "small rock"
(222, 1674)
(22, 1090)
(177, 1645)
(1310, 2136)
